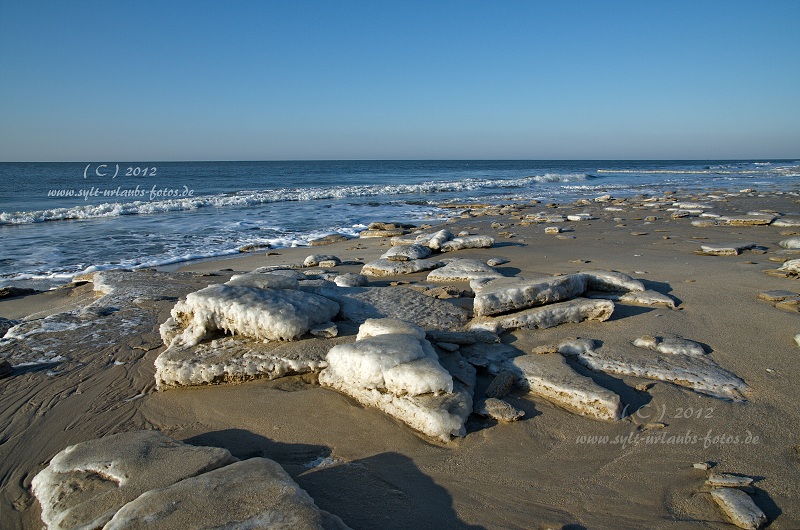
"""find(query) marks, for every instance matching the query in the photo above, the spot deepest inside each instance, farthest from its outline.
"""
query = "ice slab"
(85, 484)
(571, 311)
(266, 314)
(406, 252)
(510, 294)
(725, 249)
(463, 270)
(792, 243)
(235, 360)
(549, 376)
(251, 494)
(387, 267)
(464, 242)
(600, 280)
(263, 281)
(643, 298)
(698, 373)
(739, 508)
(400, 374)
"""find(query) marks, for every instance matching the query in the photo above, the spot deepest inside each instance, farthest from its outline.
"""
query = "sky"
(286, 80)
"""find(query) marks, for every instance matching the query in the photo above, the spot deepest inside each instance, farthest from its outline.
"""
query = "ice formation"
(549, 376)
(739, 508)
(263, 281)
(254, 493)
(463, 270)
(600, 280)
(696, 372)
(391, 366)
(266, 314)
(791, 243)
(460, 243)
(406, 252)
(386, 267)
(511, 294)
(571, 311)
(85, 484)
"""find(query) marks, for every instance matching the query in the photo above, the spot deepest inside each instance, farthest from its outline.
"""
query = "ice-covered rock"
(549, 376)
(360, 303)
(643, 298)
(785, 222)
(460, 243)
(266, 314)
(251, 494)
(600, 280)
(86, 484)
(739, 508)
(728, 480)
(698, 373)
(351, 279)
(496, 261)
(463, 270)
(571, 311)
(510, 294)
(439, 238)
(314, 260)
(406, 252)
(670, 345)
(577, 217)
(725, 249)
(233, 360)
(792, 266)
(792, 243)
(263, 281)
(498, 409)
(386, 267)
(391, 368)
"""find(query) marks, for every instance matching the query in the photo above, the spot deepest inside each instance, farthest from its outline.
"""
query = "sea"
(62, 219)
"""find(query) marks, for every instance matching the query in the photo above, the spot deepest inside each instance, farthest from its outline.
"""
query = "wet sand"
(552, 469)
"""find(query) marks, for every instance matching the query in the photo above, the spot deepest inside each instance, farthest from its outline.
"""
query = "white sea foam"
(251, 198)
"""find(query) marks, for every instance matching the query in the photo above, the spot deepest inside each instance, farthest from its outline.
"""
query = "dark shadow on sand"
(386, 491)
(632, 399)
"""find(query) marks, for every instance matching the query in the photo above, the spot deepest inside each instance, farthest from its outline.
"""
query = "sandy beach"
(551, 469)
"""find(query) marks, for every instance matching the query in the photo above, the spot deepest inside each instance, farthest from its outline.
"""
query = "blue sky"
(261, 80)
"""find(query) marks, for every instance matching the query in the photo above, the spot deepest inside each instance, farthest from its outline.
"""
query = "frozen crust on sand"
(253, 494)
(698, 373)
(233, 360)
(265, 314)
(392, 367)
(85, 484)
(502, 295)
(463, 270)
(571, 311)
(549, 376)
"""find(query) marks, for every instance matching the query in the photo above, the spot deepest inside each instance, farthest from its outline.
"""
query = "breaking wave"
(252, 198)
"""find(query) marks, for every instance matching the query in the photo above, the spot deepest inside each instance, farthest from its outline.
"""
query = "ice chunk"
(263, 281)
(698, 373)
(254, 493)
(374, 327)
(611, 281)
(351, 279)
(792, 242)
(386, 267)
(644, 298)
(740, 508)
(571, 311)
(498, 409)
(85, 484)
(793, 265)
(266, 314)
(439, 238)
(460, 243)
(463, 270)
(725, 249)
(670, 345)
(315, 259)
(406, 252)
(509, 294)
(550, 377)
(400, 373)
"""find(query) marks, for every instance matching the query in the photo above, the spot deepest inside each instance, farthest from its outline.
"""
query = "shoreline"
(553, 468)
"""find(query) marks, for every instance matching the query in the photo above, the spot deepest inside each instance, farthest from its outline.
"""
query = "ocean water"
(61, 219)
